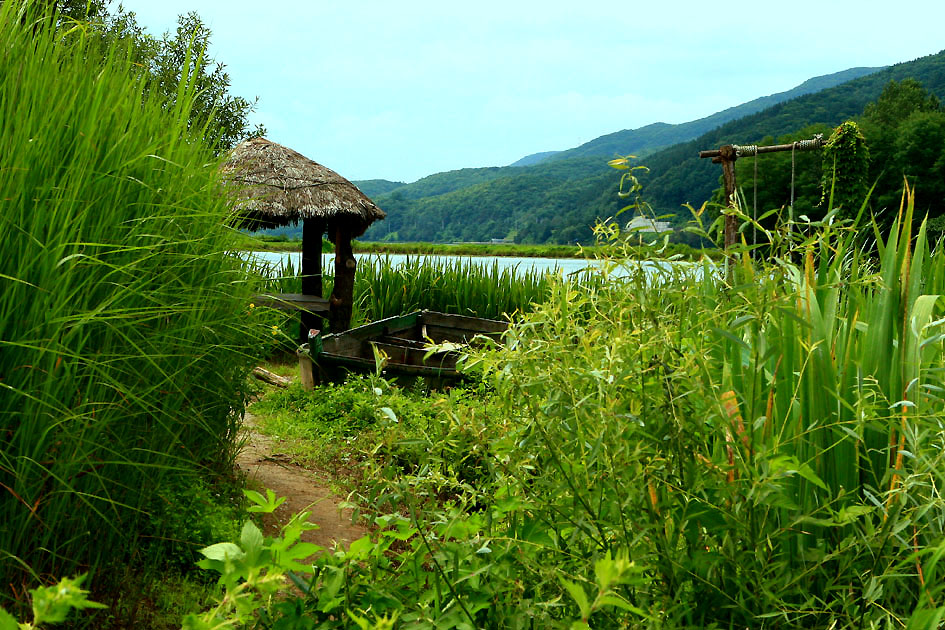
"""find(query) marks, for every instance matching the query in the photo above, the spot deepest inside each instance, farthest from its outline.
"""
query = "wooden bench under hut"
(277, 186)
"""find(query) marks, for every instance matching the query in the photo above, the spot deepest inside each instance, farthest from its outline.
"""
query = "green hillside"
(538, 206)
(375, 187)
(559, 199)
(534, 158)
(677, 175)
(498, 202)
(658, 135)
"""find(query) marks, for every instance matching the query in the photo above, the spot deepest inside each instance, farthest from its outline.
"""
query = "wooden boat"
(405, 340)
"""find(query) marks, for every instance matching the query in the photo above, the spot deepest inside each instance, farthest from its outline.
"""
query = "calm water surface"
(564, 265)
(276, 261)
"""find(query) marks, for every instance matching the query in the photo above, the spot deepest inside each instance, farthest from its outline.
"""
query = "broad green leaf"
(267, 504)
(580, 597)
(360, 548)
(304, 550)
(606, 572)
(251, 537)
(51, 604)
(192, 621)
(619, 602)
(222, 551)
(7, 621)
(926, 619)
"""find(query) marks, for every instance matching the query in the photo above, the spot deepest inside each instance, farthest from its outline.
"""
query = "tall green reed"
(461, 286)
(766, 442)
(125, 335)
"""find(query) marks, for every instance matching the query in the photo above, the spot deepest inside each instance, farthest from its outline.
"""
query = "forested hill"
(646, 139)
(438, 207)
(678, 176)
(534, 158)
(376, 187)
(558, 200)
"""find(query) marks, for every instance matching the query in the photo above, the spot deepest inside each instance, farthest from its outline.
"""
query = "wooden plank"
(386, 326)
(293, 302)
(402, 355)
(462, 322)
(330, 363)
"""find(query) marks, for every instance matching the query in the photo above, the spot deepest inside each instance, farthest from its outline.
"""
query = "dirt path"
(305, 490)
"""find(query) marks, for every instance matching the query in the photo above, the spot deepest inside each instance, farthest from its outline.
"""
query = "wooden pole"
(727, 157)
(312, 230)
(342, 296)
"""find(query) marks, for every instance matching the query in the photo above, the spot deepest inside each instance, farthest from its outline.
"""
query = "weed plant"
(758, 445)
(125, 333)
(768, 447)
(367, 418)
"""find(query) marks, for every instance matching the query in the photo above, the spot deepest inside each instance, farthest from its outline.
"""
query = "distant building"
(644, 224)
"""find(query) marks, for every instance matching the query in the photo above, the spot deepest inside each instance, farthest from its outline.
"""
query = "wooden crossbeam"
(726, 156)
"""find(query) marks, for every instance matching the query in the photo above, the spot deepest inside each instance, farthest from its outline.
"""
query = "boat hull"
(405, 341)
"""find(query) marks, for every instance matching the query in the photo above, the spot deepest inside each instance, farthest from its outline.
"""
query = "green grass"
(126, 333)
(364, 422)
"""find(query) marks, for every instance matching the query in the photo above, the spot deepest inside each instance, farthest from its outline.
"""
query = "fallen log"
(268, 377)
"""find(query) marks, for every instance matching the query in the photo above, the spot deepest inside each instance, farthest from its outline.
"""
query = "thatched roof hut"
(276, 186)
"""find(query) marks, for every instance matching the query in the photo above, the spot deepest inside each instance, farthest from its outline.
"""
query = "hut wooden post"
(312, 230)
(342, 295)
(279, 186)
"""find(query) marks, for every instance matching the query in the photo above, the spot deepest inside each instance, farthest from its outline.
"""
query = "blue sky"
(402, 90)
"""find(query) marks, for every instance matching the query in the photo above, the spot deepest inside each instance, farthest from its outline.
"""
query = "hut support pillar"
(312, 230)
(342, 296)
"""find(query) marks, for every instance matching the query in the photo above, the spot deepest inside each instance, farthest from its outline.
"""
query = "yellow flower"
(251, 305)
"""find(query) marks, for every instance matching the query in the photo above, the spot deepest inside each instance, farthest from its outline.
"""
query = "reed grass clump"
(461, 286)
(125, 333)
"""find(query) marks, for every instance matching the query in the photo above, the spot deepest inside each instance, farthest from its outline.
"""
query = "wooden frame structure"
(726, 155)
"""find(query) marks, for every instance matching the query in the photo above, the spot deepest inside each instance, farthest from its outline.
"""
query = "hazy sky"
(399, 90)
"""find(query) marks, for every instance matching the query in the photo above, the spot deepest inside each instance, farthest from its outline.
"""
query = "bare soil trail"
(304, 489)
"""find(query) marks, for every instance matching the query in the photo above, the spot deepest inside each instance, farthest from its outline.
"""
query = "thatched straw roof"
(278, 186)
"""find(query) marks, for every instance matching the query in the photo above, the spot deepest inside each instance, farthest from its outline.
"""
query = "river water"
(276, 260)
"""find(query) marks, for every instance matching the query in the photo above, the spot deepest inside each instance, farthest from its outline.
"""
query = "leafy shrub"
(188, 514)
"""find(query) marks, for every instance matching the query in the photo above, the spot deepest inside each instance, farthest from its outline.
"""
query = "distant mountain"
(650, 138)
(559, 198)
(534, 158)
(497, 203)
(678, 176)
(374, 187)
